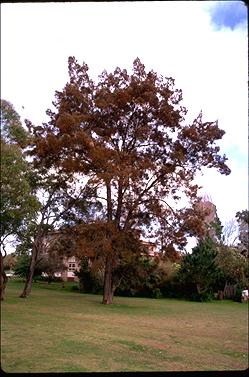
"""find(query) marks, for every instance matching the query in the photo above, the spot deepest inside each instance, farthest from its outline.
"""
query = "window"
(71, 266)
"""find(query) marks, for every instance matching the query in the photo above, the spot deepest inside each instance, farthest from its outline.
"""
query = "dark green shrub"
(238, 295)
(75, 288)
(55, 279)
(156, 293)
(149, 291)
(202, 297)
(21, 267)
(176, 289)
(125, 292)
(88, 281)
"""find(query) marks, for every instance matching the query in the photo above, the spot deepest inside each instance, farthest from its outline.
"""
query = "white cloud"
(229, 193)
(173, 38)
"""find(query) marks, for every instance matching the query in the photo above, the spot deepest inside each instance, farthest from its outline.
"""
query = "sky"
(201, 44)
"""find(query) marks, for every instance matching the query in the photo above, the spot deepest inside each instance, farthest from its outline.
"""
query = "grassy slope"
(56, 330)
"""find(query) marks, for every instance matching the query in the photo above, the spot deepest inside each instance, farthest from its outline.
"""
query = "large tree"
(126, 135)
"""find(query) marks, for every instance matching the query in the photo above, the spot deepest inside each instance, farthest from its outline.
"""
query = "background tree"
(229, 235)
(9, 262)
(232, 256)
(56, 197)
(63, 206)
(50, 263)
(126, 136)
(142, 278)
(22, 265)
(243, 222)
(12, 131)
(233, 267)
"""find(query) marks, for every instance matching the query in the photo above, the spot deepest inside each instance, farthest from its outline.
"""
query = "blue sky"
(229, 14)
(202, 44)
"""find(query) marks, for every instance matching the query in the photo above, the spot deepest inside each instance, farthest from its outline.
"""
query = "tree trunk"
(109, 201)
(230, 290)
(35, 252)
(220, 295)
(108, 284)
(3, 279)
(120, 201)
(198, 288)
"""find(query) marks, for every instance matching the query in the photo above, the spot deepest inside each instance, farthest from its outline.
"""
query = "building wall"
(151, 247)
(211, 216)
(72, 263)
(209, 206)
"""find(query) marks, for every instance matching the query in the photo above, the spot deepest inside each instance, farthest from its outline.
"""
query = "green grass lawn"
(58, 330)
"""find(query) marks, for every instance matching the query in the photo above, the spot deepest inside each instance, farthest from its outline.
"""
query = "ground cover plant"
(61, 330)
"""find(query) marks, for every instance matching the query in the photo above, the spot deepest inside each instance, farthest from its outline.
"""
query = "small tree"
(199, 270)
(22, 267)
(87, 279)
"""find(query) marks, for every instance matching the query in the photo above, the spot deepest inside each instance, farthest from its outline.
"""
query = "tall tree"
(127, 136)
(18, 205)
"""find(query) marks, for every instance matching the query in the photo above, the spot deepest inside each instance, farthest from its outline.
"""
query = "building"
(151, 248)
(210, 217)
(72, 264)
(210, 209)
